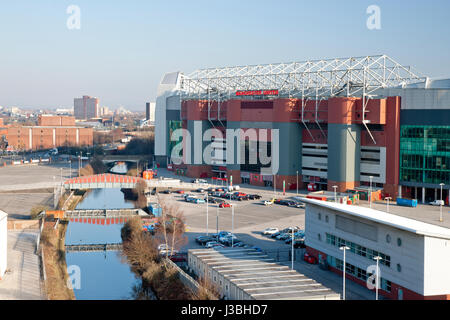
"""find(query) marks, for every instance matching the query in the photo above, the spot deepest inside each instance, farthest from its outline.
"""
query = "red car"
(225, 205)
(310, 259)
(178, 258)
(180, 191)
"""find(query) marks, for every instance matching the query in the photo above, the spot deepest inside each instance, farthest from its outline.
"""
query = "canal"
(101, 275)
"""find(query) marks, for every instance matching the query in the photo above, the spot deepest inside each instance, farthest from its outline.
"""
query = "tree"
(171, 227)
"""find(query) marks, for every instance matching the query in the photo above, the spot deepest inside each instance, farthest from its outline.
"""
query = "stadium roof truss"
(307, 80)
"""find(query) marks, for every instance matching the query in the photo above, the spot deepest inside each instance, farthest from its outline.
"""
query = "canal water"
(100, 275)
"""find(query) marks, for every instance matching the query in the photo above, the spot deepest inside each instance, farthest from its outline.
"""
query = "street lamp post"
(297, 182)
(335, 196)
(292, 250)
(370, 193)
(232, 225)
(343, 248)
(440, 204)
(387, 204)
(377, 280)
(274, 186)
(207, 213)
(61, 182)
(217, 220)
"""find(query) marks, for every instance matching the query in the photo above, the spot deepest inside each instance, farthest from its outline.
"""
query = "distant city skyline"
(122, 50)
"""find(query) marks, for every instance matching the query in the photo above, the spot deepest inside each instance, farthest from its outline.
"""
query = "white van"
(437, 203)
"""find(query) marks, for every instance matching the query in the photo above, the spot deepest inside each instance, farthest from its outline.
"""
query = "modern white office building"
(3, 243)
(415, 255)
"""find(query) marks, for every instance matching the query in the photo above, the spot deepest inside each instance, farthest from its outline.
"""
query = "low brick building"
(51, 132)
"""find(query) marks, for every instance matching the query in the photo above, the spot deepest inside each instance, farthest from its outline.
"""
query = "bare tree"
(171, 226)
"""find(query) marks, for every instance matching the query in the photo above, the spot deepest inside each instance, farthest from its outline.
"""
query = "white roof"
(410, 225)
(3, 215)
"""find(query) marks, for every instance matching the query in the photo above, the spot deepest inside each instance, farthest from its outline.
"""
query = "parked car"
(238, 244)
(189, 199)
(297, 236)
(254, 197)
(226, 195)
(199, 181)
(269, 231)
(198, 201)
(285, 202)
(213, 244)
(200, 190)
(203, 239)
(177, 257)
(180, 191)
(287, 230)
(233, 243)
(163, 246)
(228, 239)
(437, 203)
(225, 205)
(269, 202)
(224, 234)
(300, 243)
(284, 236)
(300, 205)
(309, 259)
(168, 251)
(166, 191)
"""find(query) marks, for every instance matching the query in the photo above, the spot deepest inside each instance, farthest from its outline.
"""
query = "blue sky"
(124, 47)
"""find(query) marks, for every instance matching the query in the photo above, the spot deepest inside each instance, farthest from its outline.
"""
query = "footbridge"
(93, 247)
(102, 181)
(104, 213)
(125, 158)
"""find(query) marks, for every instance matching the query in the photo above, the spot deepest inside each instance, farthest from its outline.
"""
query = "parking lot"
(250, 218)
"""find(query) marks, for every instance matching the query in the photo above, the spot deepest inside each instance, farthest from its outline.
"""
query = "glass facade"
(359, 273)
(173, 125)
(425, 154)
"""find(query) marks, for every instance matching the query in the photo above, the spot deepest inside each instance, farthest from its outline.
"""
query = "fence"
(186, 279)
(285, 254)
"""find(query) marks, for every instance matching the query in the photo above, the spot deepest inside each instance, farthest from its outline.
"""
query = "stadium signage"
(257, 93)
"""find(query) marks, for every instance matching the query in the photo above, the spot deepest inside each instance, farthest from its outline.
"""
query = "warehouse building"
(51, 132)
(340, 122)
(415, 256)
(246, 274)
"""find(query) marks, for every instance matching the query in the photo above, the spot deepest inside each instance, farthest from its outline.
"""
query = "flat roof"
(261, 277)
(392, 220)
(3, 215)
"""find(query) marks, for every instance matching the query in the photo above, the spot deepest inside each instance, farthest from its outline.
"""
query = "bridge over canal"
(93, 247)
(102, 181)
(104, 213)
